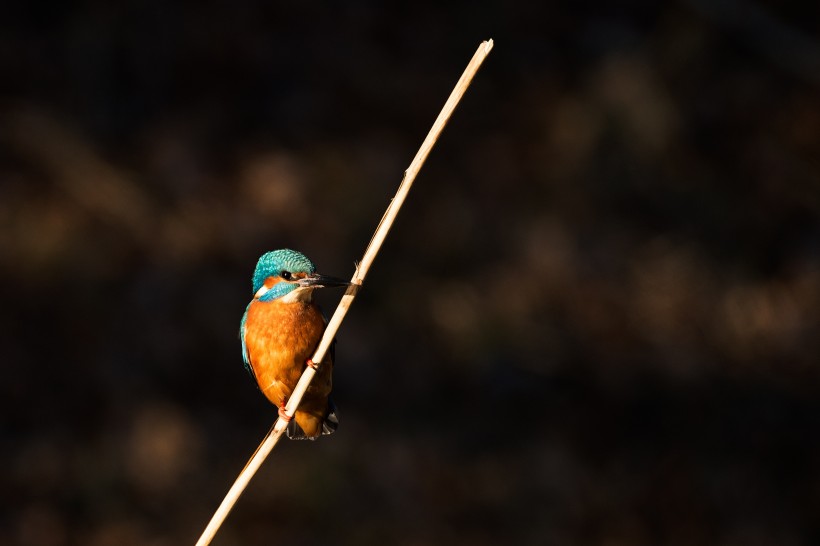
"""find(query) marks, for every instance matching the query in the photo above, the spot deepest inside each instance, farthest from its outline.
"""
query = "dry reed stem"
(362, 268)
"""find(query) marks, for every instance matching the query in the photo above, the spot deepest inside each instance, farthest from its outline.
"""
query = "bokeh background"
(595, 321)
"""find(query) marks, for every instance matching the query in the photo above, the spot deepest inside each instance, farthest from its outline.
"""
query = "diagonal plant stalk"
(271, 439)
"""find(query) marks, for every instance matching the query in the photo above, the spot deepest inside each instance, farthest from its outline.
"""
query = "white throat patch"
(302, 293)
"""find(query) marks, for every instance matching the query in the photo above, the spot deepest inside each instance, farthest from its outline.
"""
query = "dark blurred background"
(595, 321)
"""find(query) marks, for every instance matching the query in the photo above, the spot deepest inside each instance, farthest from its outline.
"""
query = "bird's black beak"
(321, 281)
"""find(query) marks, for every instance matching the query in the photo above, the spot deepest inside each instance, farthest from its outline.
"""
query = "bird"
(280, 331)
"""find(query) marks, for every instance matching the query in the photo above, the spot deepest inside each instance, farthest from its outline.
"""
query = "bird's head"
(289, 275)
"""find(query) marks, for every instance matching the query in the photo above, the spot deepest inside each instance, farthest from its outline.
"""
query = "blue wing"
(246, 358)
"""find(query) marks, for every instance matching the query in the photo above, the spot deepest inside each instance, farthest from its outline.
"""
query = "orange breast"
(280, 337)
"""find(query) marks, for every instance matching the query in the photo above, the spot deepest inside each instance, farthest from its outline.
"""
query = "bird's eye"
(285, 275)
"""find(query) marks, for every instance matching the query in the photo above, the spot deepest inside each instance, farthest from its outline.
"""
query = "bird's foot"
(284, 415)
(312, 364)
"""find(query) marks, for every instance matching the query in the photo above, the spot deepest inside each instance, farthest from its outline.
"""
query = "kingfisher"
(280, 331)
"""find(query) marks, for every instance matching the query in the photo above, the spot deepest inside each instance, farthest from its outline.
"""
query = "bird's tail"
(330, 422)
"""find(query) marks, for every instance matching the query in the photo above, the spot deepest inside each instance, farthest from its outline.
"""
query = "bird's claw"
(283, 414)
